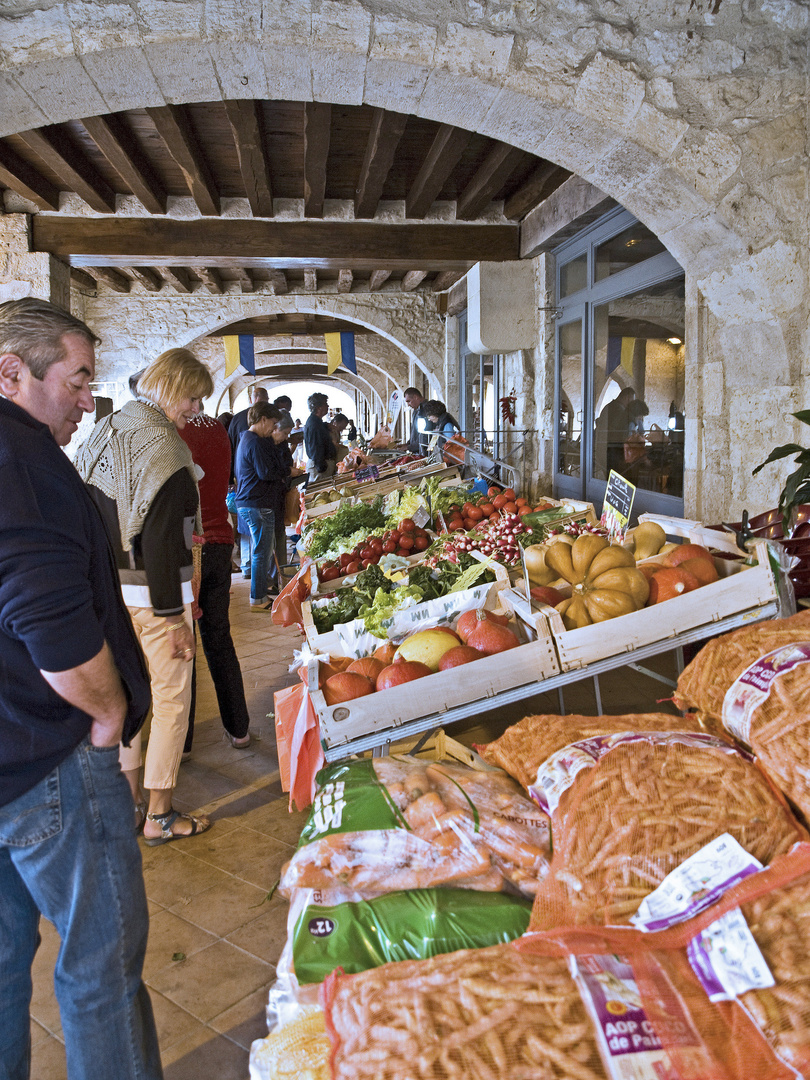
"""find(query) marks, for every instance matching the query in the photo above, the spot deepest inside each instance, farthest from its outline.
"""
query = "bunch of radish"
(497, 539)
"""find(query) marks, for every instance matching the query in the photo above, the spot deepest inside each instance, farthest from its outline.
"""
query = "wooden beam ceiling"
(273, 244)
(151, 281)
(500, 163)
(126, 157)
(544, 179)
(179, 277)
(174, 127)
(317, 131)
(117, 282)
(294, 323)
(23, 178)
(387, 129)
(443, 156)
(245, 118)
(52, 145)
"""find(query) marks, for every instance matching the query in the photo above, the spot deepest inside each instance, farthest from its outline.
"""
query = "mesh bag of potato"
(756, 682)
(626, 809)
(384, 825)
(524, 746)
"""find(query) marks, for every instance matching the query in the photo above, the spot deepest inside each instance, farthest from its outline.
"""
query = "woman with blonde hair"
(141, 476)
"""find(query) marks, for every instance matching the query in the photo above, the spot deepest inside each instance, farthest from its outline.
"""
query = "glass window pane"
(569, 425)
(639, 388)
(574, 275)
(630, 247)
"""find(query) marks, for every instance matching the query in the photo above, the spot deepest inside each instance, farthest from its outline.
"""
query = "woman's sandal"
(166, 821)
(140, 815)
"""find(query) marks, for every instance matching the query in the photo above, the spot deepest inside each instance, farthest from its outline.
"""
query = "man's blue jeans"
(68, 851)
(262, 525)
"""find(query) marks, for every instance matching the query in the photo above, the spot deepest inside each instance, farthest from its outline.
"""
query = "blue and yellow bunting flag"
(340, 350)
(239, 350)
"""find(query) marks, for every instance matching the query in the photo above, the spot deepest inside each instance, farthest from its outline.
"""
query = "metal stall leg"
(597, 694)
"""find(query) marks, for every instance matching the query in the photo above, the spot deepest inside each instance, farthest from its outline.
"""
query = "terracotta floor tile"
(170, 934)
(248, 854)
(276, 820)
(224, 907)
(245, 1021)
(213, 980)
(176, 875)
(174, 1024)
(217, 1057)
(265, 936)
(48, 1060)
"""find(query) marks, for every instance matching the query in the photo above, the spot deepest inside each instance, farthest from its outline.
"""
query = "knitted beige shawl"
(129, 456)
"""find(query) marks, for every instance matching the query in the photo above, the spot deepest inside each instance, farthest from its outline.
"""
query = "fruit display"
(604, 579)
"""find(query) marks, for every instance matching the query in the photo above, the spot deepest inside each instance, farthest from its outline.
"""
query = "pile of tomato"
(406, 539)
(497, 503)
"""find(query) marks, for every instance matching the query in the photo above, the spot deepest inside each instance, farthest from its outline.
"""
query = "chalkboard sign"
(617, 506)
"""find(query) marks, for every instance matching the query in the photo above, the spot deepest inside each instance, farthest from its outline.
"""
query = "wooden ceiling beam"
(244, 118)
(345, 280)
(413, 279)
(277, 245)
(278, 282)
(210, 278)
(310, 281)
(71, 166)
(445, 280)
(444, 154)
(544, 179)
(178, 277)
(378, 279)
(112, 278)
(125, 156)
(317, 131)
(387, 128)
(495, 170)
(147, 277)
(173, 126)
(245, 280)
(26, 181)
(82, 280)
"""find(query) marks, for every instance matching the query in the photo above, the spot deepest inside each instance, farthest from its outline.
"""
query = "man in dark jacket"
(321, 453)
(417, 441)
(74, 685)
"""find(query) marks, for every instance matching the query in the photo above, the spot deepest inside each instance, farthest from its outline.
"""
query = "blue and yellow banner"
(340, 350)
(239, 350)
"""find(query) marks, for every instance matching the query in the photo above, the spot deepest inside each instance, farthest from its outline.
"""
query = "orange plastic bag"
(454, 450)
(298, 741)
(287, 609)
(286, 704)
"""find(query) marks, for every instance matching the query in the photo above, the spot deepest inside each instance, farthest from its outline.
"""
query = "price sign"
(617, 506)
(370, 472)
(394, 406)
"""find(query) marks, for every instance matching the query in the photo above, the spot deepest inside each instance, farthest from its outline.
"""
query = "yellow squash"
(604, 577)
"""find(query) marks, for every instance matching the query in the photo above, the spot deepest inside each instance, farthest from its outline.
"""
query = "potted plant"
(797, 486)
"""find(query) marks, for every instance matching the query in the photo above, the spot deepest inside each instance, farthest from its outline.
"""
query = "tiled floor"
(215, 935)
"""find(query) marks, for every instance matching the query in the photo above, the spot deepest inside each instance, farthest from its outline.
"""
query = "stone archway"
(694, 119)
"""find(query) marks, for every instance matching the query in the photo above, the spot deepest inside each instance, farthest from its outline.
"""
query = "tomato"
(353, 567)
(367, 563)
(493, 491)
(421, 532)
(366, 553)
(486, 508)
(524, 510)
(393, 536)
(404, 552)
(542, 506)
(495, 516)
(408, 525)
(389, 547)
(329, 574)
(509, 508)
(406, 542)
(345, 559)
(476, 513)
(509, 494)
(421, 543)
(466, 508)
(499, 501)
(376, 544)
(453, 508)
(521, 502)
(456, 525)
(469, 523)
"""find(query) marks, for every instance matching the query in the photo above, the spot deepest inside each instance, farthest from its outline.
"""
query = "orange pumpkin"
(670, 582)
(687, 551)
(703, 569)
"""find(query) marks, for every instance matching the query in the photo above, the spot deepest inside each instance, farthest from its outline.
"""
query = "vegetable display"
(348, 519)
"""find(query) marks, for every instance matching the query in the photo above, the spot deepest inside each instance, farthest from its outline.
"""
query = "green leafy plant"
(797, 486)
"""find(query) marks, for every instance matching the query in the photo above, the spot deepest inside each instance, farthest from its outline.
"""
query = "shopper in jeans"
(210, 448)
(75, 684)
(261, 478)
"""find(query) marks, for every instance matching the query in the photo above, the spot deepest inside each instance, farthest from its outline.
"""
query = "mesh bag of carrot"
(755, 681)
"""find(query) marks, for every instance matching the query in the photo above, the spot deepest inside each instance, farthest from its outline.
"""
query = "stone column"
(27, 273)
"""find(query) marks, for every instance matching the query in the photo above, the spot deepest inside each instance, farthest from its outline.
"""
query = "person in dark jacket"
(75, 685)
(262, 482)
(417, 441)
(142, 478)
(442, 421)
(210, 449)
(320, 449)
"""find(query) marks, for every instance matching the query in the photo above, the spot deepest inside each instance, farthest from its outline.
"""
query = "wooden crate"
(383, 712)
(331, 642)
(439, 747)
(741, 588)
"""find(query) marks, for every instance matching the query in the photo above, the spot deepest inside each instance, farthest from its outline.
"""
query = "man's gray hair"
(257, 393)
(33, 330)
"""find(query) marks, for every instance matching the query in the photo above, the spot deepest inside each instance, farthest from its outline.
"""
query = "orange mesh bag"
(287, 609)
(489, 1013)
(524, 746)
(756, 682)
(627, 809)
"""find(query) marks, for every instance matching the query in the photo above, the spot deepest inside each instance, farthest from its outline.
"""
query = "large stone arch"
(692, 116)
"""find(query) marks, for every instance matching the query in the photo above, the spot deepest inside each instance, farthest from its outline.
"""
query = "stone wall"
(693, 116)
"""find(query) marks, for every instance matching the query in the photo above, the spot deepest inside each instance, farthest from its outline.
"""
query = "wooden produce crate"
(383, 712)
(740, 589)
(439, 747)
(333, 642)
